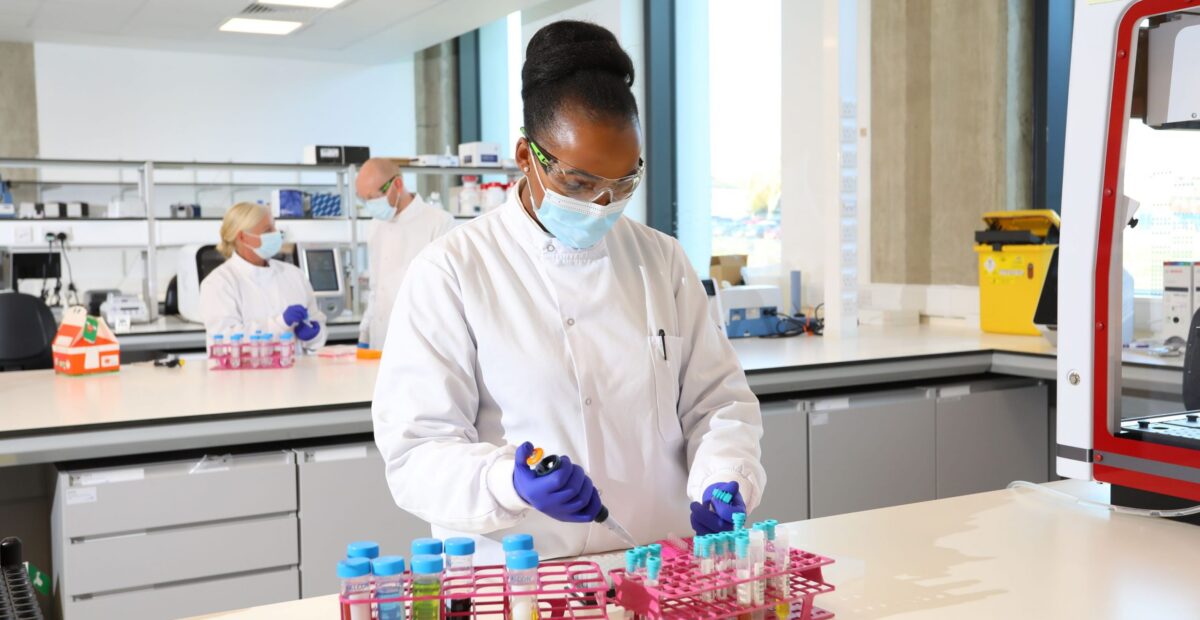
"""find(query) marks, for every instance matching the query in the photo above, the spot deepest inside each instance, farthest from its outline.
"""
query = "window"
(1162, 173)
(729, 93)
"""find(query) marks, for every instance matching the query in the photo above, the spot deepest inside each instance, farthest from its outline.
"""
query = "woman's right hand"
(294, 314)
(565, 494)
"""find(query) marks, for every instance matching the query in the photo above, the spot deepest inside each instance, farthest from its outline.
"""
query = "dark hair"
(575, 63)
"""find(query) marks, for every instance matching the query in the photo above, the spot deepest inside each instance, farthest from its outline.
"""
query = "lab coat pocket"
(665, 354)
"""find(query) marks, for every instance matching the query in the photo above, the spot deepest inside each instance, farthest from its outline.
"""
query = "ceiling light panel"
(312, 4)
(259, 26)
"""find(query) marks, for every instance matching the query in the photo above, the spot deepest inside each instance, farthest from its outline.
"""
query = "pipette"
(542, 466)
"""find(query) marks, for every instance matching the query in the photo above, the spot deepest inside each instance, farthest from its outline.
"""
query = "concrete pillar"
(18, 114)
(436, 80)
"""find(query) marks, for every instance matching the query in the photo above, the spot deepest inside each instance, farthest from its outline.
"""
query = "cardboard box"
(84, 345)
(479, 155)
(727, 269)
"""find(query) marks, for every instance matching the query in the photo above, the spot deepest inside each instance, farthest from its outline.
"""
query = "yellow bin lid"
(1037, 221)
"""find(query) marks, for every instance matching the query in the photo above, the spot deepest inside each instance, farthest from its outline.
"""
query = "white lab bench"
(1002, 554)
(839, 431)
(172, 333)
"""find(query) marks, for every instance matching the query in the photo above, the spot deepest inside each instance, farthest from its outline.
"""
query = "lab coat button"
(570, 322)
(549, 247)
(587, 401)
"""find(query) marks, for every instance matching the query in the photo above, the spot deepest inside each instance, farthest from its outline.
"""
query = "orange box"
(84, 345)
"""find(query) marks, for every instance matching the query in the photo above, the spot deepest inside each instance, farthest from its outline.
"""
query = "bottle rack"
(682, 590)
(564, 590)
(18, 599)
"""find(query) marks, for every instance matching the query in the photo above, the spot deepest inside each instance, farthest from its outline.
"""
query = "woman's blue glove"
(307, 331)
(716, 514)
(565, 494)
(294, 314)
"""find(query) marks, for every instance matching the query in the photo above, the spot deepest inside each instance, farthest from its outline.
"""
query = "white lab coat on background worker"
(241, 297)
(503, 334)
(392, 244)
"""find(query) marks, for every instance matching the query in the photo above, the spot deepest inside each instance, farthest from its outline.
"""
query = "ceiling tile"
(27, 8)
(91, 17)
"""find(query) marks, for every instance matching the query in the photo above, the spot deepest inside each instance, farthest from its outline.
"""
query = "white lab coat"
(392, 245)
(239, 296)
(501, 335)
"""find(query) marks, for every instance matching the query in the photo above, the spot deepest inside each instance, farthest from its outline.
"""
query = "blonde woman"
(250, 291)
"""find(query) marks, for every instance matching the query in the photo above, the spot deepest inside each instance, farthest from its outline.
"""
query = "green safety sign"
(40, 580)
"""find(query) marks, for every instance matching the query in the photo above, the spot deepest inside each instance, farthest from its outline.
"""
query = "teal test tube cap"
(631, 560)
(743, 546)
(655, 550)
(653, 566)
(739, 520)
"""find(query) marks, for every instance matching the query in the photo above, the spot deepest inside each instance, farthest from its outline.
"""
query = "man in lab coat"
(554, 321)
(403, 225)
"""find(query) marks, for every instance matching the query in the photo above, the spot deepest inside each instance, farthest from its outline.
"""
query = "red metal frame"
(1103, 440)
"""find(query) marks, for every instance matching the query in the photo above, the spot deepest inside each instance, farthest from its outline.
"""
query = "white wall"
(120, 103)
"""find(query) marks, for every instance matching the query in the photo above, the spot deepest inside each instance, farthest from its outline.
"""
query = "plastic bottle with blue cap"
(426, 546)
(287, 350)
(236, 349)
(363, 549)
(427, 582)
(517, 542)
(521, 570)
(355, 575)
(460, 567)
(389, 583)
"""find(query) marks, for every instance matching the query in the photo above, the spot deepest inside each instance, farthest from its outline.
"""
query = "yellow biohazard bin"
(1014, 255)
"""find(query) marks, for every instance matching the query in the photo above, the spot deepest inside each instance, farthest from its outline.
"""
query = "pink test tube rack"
(681, 586)
(565, 591)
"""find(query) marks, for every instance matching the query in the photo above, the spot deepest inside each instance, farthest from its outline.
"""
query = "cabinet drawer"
(166, 556)
(190, 599)
(130, 499)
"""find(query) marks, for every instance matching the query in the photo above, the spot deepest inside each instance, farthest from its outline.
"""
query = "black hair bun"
(565, 48)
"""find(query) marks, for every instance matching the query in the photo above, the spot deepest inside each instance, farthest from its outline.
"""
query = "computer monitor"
(322, 265)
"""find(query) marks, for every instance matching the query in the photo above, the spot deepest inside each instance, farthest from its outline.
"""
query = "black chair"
(27, 329)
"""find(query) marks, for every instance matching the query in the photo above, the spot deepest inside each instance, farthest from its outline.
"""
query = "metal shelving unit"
(146, 184)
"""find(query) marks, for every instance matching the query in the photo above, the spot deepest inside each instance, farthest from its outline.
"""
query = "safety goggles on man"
(580, 184)
(387, 186)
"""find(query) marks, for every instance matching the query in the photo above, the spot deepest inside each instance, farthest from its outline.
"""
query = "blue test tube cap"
(387, 566)
(771, 525)
(237, 337)
(426, 564)
(655, 550)
(653, 566)
(518, 542)
(631, 560)
(743, 546)
(286, 336)
(460, 546)
(363, 549)
(703, 546)
(426, 546)
(521, 560)
(351, 568)
(739, 520)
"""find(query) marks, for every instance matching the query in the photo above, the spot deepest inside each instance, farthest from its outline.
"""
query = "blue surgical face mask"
(269, 244)
(577, 223)
(380, 208)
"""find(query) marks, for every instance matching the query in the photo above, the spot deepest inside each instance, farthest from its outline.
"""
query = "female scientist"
(250, 291)
(554, 321)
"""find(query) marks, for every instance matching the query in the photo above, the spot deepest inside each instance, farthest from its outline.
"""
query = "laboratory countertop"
(143, 409)
(177, 325)
(1004, 554)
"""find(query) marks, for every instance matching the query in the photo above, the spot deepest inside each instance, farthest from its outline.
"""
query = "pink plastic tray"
(565, 590)
(681, 587)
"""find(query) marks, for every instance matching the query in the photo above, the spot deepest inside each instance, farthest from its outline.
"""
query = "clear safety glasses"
(580, 184)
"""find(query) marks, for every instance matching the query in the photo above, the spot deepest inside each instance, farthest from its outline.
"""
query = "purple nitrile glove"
(294, 314)
(715, 514)
(307, 331)
(565, 494)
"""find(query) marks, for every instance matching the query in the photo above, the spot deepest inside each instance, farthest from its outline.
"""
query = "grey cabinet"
(990, 433)
(785, 458)
(870, 450)
(177, 538)
(344, 497)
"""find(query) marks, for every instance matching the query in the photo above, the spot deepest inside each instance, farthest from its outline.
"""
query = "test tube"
(631, 562)
(653, 567)
(705, 546)
(427, 582)
(460, 566)
(745, 589)
(783, 561)
(724, 553)
(389, 583)
(758, 566)
(218, 356)
(270, 350)
(235, 349)
(521, 570)
(287, 350)
(355, 574)
(255, 354)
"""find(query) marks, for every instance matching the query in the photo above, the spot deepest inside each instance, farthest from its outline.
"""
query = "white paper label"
(820, 419)
(339, 454)
(81, 495)
(955, 391)
(112, 475)
(831, 403)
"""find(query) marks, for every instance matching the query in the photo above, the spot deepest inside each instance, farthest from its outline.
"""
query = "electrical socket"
(51, 232)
